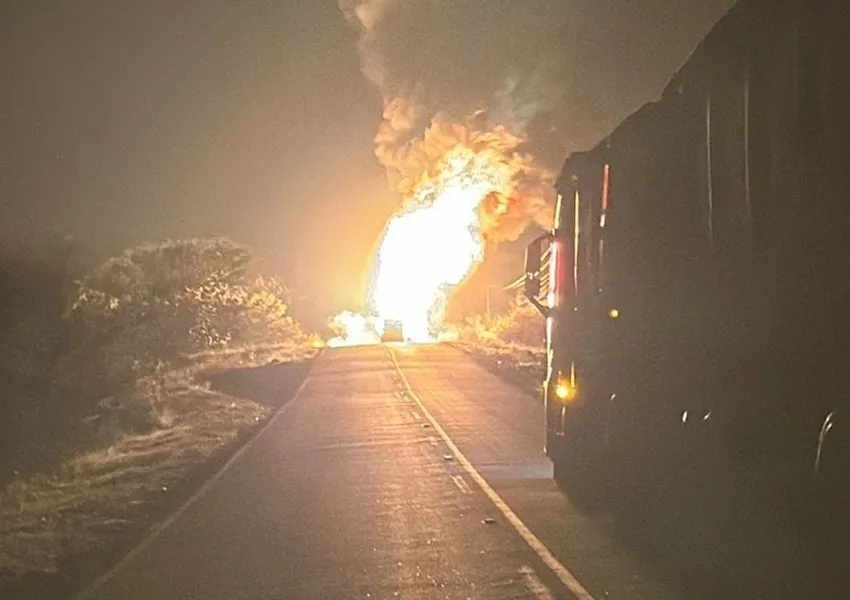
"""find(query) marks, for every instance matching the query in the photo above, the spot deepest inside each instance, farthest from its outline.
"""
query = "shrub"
(160, 302)
(522, 324)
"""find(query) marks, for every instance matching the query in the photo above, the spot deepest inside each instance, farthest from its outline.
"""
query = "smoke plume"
(464, 71)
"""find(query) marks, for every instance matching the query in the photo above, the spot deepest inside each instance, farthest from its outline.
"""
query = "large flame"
(470, 193)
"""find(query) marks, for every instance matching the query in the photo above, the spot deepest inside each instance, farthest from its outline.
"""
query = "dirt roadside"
(60, 530)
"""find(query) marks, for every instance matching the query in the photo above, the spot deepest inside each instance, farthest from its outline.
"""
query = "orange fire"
(469, 193)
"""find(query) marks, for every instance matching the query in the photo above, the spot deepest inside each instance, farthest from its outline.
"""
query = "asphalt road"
(397, 472)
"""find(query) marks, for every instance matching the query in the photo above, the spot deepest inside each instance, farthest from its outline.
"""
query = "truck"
(696, 283)
(392, 331)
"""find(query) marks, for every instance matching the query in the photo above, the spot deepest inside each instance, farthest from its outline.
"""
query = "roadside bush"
(83, 359)
(522, 325)
(160, 302)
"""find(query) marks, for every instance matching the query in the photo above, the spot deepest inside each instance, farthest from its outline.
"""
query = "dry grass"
(252, 356)
(92, 498)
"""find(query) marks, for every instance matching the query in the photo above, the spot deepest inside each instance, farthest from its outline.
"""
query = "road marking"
(157, 529)
(567, 578)
(366, 445)
(533, 582)
(460, 482)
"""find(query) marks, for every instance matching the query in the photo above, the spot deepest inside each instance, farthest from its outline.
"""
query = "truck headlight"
(565, 386)
(566, 391)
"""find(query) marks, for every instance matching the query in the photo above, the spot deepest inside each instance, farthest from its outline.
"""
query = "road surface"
(396, 472)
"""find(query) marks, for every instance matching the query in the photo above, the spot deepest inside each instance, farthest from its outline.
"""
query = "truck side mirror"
(533, 260)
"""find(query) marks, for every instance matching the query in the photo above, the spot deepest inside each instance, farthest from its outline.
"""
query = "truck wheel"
(582, 478)
(638, 507)
(632, 516)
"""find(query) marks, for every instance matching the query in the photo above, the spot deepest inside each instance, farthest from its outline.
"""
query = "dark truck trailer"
(697, 281)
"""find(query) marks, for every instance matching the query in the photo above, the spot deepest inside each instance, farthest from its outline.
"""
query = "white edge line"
(564, 574)
(157, 529)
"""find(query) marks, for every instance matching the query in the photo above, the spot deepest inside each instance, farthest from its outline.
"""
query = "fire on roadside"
(471, 194)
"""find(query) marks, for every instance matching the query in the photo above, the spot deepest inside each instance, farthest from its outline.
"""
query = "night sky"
(124, 122)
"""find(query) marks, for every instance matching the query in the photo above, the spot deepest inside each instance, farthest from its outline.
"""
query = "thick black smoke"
(480, 63)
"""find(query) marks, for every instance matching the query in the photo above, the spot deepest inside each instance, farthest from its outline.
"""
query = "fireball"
(470, 189)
